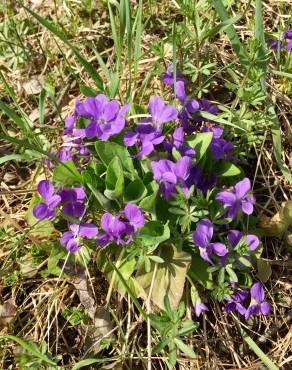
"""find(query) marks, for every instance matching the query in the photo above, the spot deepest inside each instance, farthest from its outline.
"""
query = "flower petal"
(134, 215)
(203, 233)
(182, 167)
(130, 138)
(45, 189)
(68, 235)
(242, 188)
(234, 237)
(219, 249)
(54, 201)
(226, 197)
(265, 308)
(87, 231)
(247, 207)
(257, 292)
(40, 211)
(72, 246)
(252, 242)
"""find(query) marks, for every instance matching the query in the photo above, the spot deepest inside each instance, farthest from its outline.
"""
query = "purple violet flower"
(178, 144)
(72, 239)
(288, 34)
(119, 229)
(250, 241)
(149, 132)
(160, 113)
(236, 300)
(106, 117)
(274, 44)
(220, 148)
(72, 200)
(202, 181)
(169, 174)
(134, 216)
(46, 209)
(168, 77)
(258, 304)
(199, 308)
(202, 237)
(237, 199)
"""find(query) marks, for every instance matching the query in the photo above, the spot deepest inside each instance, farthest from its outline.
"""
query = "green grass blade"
(114, 33)
(255, 348)
(11, 157)
(138, 28)
(87, 66)
(23, 125)
(29, 347)
(91, 361)
(129, 291)
(231, 33)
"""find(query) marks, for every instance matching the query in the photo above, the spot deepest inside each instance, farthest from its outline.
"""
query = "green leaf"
(169, 279)
(200, 142)
(159, 346)
(245, 261)
(57, 254)
(156, 259)
(31, 348)
(226, 169)
(91, 361)
(153, 232)
(67, 174)
(232, 274)
(107, 150)
(92, 71)
(88, 91)
(264, 270)
(149, 202)
(11, 157)
(42, 228)
(135, 191)
(115, 177)
(104, 202)
(184, 348)
(199, 270)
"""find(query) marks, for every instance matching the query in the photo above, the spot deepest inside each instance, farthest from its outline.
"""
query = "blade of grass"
(114, 34)
(29, 347)
(137, 28)
(231, 33)
(22, 124)
(87, 66)
(255, 348)
(129, 291)
(11, 157)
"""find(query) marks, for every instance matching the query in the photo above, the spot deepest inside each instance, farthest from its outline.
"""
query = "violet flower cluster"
(160, 146)
(257, 303)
